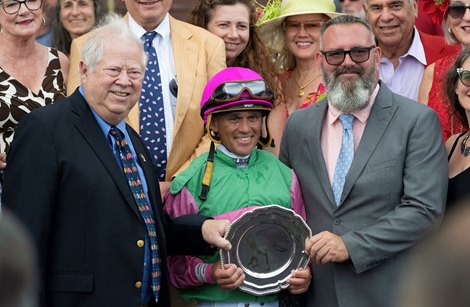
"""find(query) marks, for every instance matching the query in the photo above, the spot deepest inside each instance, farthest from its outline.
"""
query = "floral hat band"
(436, 9)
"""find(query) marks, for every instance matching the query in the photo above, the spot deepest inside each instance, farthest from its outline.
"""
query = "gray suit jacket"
(394, 194)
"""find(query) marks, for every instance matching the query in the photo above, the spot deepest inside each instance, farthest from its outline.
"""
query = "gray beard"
(350, 95)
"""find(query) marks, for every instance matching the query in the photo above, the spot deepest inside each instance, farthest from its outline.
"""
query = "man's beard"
(349, 95)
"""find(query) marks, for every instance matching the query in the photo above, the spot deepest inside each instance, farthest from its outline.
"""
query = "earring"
(449, 30)
(43, 20)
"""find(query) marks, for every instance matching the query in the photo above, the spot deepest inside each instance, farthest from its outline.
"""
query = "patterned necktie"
(152, 113)
(133, 179)
(345, 157)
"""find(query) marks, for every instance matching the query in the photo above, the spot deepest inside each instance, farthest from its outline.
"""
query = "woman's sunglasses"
(464, 76)
(457, 11)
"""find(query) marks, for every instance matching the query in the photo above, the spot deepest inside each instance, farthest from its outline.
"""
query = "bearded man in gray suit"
(372, 190)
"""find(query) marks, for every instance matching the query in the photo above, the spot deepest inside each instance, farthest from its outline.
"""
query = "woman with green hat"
(291, 29)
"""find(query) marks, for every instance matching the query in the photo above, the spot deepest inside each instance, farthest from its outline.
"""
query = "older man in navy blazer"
(65, 180)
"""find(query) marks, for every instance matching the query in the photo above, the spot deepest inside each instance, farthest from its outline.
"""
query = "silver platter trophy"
(267, 244)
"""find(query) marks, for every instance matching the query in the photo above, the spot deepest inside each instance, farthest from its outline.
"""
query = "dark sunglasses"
(174, 87)
(457, 11)
(358, 55)
(464, 76)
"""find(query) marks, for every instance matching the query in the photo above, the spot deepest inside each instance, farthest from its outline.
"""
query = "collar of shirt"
(224, 149)
(361, 115)
(240, 161)
(163, 29)
(102, 123)
(415, 51)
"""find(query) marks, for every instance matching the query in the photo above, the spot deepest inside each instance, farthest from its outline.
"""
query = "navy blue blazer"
(64, 182)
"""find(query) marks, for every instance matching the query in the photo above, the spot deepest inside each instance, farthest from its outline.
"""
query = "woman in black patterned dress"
(31, 75)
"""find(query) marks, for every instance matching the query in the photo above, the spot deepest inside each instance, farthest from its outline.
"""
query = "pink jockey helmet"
(232, 74)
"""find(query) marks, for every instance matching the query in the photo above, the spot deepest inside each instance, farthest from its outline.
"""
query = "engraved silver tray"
(267, 244)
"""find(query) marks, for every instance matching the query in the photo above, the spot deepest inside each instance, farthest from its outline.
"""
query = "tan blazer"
(198, 55)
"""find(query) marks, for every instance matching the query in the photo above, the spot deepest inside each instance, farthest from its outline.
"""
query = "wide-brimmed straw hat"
(272, 29)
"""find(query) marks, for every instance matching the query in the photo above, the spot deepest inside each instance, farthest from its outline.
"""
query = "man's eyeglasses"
(13, 6)
(313, 26)
(357, 54)
(457, 11)
(464, 76)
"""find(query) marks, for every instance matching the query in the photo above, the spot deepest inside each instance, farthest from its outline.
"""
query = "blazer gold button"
(140, 243)
(138, 285)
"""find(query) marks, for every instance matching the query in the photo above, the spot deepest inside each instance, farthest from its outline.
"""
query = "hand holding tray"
(267, 244)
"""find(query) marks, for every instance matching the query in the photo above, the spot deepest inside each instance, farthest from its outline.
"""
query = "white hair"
(112, 27)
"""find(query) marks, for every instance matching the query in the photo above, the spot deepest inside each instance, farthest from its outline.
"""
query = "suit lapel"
(313, 135)
(380, 116)
(185, 55)
(93, 135)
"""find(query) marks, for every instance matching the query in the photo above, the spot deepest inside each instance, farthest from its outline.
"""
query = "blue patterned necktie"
(152, 113)
(345, 157)
(135, 184)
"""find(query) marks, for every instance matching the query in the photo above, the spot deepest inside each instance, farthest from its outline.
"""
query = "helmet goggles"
(238, 91)
(234, 90)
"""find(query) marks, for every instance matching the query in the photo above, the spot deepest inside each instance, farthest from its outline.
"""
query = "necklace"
(463, 147)
(301, 88)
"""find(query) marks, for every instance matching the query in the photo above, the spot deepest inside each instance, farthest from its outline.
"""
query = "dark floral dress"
(16, 100)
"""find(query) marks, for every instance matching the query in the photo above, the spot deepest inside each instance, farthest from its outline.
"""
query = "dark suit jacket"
(435, 47)
(64, 182)
(394, 193)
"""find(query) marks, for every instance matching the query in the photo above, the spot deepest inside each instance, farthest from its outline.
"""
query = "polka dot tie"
(345, 157)
(152, 114)
(133, 179)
